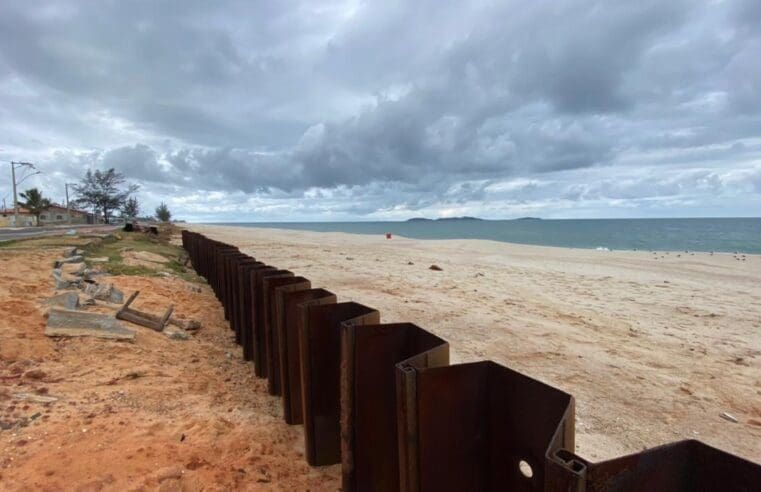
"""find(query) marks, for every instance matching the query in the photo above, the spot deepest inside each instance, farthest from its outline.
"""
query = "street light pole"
(15, 199)
(15, 164)
(68, 209)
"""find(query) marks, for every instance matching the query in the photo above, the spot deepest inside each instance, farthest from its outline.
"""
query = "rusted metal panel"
(274, 289)
(236, 298)
(296, 309)
(475, 424)
(249, 331)
(260, 316)
(320, 351)
(682, 466)
(362, 388)
(369, 430)
(244, 309)
(222, 280)
(247, 307)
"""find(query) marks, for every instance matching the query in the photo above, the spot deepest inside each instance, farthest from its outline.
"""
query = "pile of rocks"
(70, 272)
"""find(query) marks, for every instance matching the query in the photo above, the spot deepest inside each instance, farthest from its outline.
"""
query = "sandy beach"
(655, 347)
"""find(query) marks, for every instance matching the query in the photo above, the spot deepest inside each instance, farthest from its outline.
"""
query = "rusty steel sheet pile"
(383, 400)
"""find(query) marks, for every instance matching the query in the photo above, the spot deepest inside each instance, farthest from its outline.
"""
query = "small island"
(423, 219)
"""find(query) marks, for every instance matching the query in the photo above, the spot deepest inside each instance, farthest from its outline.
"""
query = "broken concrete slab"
(98, 291)
(71, 259)
(79, 324)
(117, 296)
(67, 300)
(65, 281)
(92, 275)
(98, 259)
(74, 268)
(69, 252)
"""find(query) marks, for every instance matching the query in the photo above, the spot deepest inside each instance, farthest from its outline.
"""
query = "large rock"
(67, 300)
(80, 324)
(69, 252)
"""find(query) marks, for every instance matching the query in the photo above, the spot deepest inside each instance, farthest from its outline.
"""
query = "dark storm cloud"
(342, 109)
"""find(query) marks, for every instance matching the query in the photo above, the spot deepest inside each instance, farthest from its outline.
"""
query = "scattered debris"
(65, 281)
(134, 375)
(98, 259)
(79, 324)
(70, 259)
(91, 275)
(729, 417)
(435, 268)
(74, 268)
(30, 397)
(143, 319)
(67, 300)
(105, 292)
(185, 324)
(177, 335)
(117, 296)
(35, 374)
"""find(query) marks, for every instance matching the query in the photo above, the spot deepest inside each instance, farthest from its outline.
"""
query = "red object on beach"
(388, 235)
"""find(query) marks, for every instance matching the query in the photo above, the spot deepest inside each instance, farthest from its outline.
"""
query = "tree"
(131, 208)
(35, 202)
(163, 213)
(104, 191)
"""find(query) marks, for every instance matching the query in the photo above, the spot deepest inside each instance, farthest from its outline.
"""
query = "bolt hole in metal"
(525, 469)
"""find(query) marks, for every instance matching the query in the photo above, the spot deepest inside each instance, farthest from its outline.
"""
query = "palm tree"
(35, 202)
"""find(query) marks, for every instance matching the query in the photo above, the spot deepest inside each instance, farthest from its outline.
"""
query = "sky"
(328, 110)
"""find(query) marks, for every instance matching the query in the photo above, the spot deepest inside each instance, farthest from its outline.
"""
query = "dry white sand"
(654, 347)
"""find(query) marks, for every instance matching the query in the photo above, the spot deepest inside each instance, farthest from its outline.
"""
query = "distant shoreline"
(682, 236)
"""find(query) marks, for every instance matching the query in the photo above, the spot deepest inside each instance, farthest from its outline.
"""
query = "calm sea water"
(727, 235)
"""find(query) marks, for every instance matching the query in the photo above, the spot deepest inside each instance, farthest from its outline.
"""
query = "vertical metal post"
(15, 198)
(68, 209)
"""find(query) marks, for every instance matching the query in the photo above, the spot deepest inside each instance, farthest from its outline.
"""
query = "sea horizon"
(694, 234)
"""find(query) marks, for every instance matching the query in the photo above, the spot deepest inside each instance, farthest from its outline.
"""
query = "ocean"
(721, 235)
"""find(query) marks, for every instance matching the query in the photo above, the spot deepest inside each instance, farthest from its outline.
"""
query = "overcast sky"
(295, 110)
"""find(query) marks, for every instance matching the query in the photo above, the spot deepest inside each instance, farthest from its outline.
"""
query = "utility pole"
(15, 199)
(15, 184)
(68, 209)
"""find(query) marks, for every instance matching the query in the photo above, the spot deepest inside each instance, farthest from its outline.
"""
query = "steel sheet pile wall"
(382, 399)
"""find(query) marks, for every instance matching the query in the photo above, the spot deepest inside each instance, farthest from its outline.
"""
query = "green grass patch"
(124, 242)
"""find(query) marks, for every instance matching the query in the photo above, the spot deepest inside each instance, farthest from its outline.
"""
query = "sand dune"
(655, 347)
